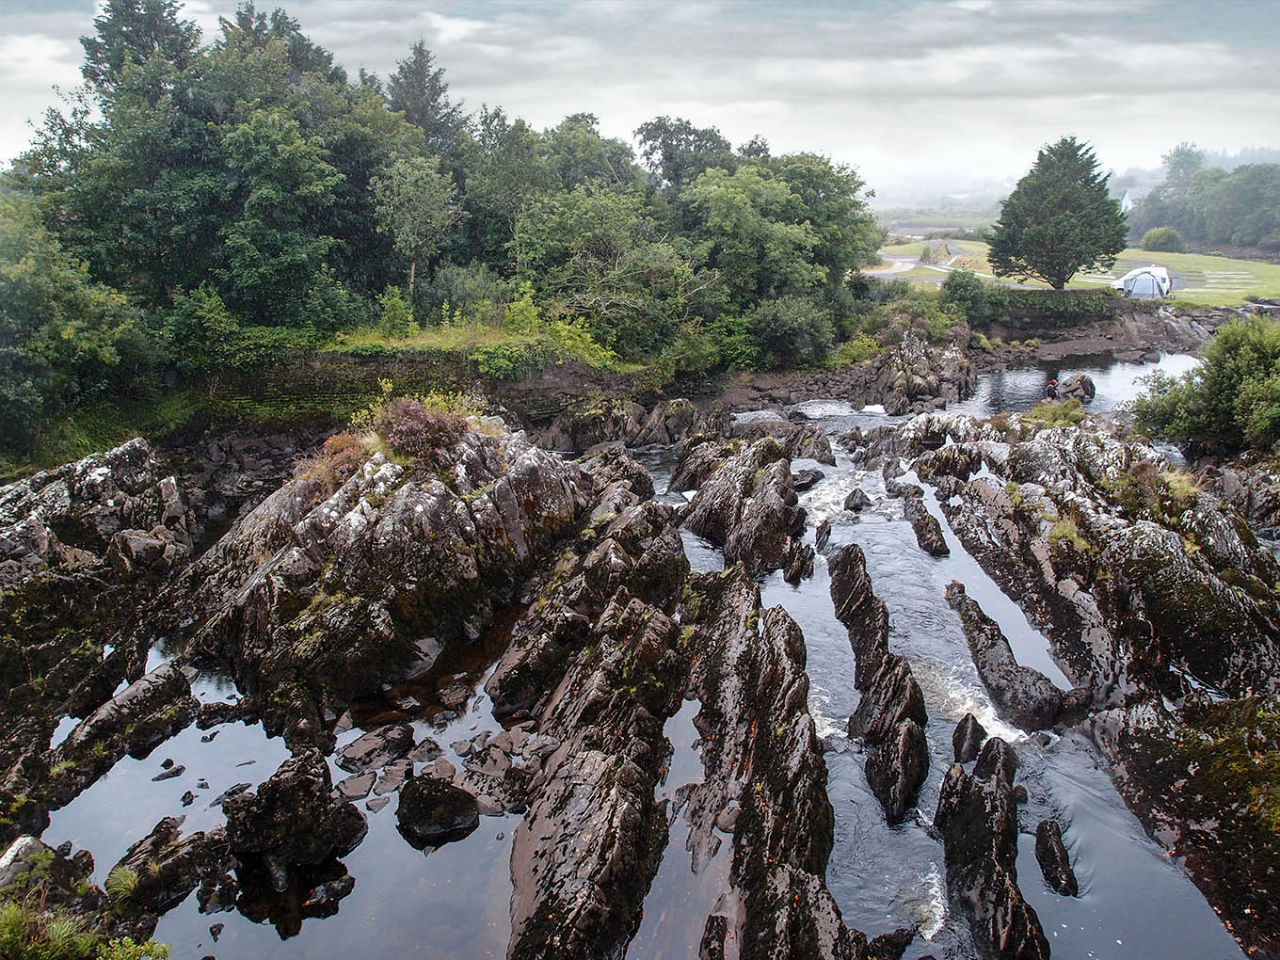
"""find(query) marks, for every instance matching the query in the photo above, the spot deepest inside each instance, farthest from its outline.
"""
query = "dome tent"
(1145, 283)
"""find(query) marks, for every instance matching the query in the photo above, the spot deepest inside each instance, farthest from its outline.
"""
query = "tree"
(1059, 219)
(678, 152)
(417, 205)
(133, 32)
(418, 90)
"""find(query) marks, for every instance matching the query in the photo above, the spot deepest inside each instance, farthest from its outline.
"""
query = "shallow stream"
(454, 902)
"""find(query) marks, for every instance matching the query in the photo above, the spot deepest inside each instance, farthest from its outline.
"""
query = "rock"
(293, 818)
(356, 786)
(891, 946)
(822, 536)
(860, 610)
(433, 812)
(799, 563)
(927, 529)
(1081, 385)
(799, 440)
(1024, 696)
(857, 500)
(978, 821)
(967, 739)
(748, 506)
(997, 759)
(892, 696)
(807, 479)
(1055, 862)
(376, 748)
(169, 866)
(897, 768)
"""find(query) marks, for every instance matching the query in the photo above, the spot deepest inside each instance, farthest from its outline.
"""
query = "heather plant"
(409, 429)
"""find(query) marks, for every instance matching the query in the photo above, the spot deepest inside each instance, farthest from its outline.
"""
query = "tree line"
(1208, 204)
(202, 207)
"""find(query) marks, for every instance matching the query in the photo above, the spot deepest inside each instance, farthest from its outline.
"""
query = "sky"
(918, 95)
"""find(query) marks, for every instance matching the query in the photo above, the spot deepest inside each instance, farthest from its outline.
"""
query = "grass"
(447, 338)
(1198, 280)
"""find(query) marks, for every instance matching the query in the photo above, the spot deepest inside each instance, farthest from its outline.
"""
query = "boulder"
(376, 748)
(1055, 862)
(968, 738)
(926, 527)
(897, 768)
(857, 500)
(434, 812)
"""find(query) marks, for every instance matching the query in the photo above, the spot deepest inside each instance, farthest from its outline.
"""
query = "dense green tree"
(419, 91)
(576, 153)
(416, 205)
(1059, 219)
(678, 152)
(135, 32)
(505, 173)
(269, 252)
(63, 338)
(1231, 400)
(749, 230)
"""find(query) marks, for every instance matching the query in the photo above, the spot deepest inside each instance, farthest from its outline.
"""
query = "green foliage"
(396, 315)
(1230, 401)
(1058, 220)
(791, 332)
(966, 293)
(125, 949)
(416, 205)
(63, 338)
(859, 349)
(1067, 533)
(1164, 240)
(1051, 413)
(121, 882)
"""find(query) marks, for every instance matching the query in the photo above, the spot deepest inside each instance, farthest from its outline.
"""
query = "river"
(452, 903)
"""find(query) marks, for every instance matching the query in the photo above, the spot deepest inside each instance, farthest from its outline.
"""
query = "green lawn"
(1197, 279)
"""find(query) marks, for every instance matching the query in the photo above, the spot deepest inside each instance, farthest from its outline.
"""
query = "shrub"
(1163, 240)
(1230, 401)
(395, 314)
(791, 332)
(858, 349)
(966, 293)
(410, 430)
(344, 454)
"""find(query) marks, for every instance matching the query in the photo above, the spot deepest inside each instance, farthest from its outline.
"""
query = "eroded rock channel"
(727, 702)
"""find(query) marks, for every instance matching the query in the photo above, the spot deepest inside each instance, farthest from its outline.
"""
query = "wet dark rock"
(807, 479)
(892, 696)
(1024, 696)
(376, 748)
(433, 812)
(860, 610)
(188, 798)
(1055, 862)
(897, 768)
(968, 738)
(711, 947)
(748, 507)
(959, 460)
(822, 536)
(293, 817)
(169, 866)
(978, 821)
(234, 790)
(927, 529)
(697, 458)
(997, 759)
(170, 774)
(799, 563)
(799, 440)
(857, 500)
(781, 818)
(891, 946)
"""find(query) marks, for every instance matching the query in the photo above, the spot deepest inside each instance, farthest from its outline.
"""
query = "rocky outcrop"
(594, 421)
(433, 812)
(799, 440)
(296, 598)
(293, 819)
(765, 779)
(1077, 385)
(978, 820)
(168, 866)
(1055, 862)
(1024, 696)
(968, 738)
(890, 714)
(926, 527)
(749, 508)
(914, 376)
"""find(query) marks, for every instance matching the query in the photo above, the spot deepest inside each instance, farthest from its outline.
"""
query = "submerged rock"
(1055, 862)
(926, 527)
(978, 820)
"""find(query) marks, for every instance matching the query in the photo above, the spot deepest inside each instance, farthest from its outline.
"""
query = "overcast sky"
(909, 92)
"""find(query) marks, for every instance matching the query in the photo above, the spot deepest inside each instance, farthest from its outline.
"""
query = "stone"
(1055, 862)
(857, 500)
(434, 812)
(927, 529)
(376, 748)
(897, 768)
(968, 738)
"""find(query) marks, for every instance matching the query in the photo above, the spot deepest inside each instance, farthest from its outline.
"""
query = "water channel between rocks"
(454, 902)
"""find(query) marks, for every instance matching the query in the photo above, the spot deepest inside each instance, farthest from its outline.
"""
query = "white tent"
(1145, 283)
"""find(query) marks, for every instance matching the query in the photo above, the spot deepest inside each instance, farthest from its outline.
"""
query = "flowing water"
(1134, 902)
